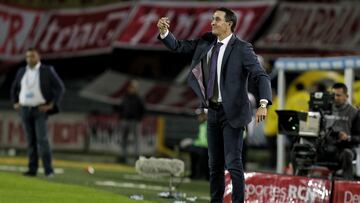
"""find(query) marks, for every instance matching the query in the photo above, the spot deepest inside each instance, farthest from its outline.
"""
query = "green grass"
(15, 188)
(76, 185)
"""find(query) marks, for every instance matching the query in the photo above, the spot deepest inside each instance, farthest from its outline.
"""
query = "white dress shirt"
(219, 62)
(30, 93)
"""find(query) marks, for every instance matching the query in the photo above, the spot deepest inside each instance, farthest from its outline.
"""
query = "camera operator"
(344, 123)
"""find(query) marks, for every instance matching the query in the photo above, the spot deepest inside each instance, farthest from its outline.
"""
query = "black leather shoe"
(29, 173)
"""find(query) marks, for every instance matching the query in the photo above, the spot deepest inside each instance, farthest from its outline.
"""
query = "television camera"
(309, 133)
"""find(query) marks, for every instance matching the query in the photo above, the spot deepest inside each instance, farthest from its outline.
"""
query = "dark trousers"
(346, 157)
(199, 162)
(225, 148)
(130, 127)
(35, 127)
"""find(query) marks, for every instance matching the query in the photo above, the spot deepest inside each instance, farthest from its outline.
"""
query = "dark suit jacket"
(238, 62)
(51, 86)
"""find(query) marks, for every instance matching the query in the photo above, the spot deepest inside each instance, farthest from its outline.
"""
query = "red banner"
(188, 21)
(60, 33)
(18, 30)
(85, 31)
(346, 192)
(275, 188)
(63, 33)
(330, 27)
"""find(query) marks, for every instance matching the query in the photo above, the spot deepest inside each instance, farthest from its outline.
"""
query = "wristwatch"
(262, 105)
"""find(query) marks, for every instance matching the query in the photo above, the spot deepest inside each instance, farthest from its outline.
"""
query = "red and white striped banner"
(67, 33)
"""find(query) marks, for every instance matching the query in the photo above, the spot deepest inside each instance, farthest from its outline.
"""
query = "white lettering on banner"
(184, 25)
(203, 22)
(147, 20)
(81, 35)
(95, 30)
(170, 14)
(284, 194)
(266, 192)
(18, 30)
(10, 24)
(349, 197)
(315, 26)
(69, 133)
(246, 20)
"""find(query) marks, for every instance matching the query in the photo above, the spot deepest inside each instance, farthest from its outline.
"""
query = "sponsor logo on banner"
(282, 189)
(347, 191)
(264, 187)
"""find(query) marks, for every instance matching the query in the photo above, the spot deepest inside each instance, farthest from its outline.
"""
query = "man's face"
(340, 96)
(32, 58)
(218, 24)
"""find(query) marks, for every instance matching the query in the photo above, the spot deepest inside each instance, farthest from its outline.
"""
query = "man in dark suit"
(36, 92)
(220, 68)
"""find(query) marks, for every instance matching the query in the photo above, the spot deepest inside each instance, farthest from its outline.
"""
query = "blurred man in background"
(132, 111)
(36, 93)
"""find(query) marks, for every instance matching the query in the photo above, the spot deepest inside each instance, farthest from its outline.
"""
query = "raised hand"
(163, 25)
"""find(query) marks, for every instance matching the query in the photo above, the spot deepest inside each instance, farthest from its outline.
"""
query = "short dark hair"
(340, 85)
(229, 17)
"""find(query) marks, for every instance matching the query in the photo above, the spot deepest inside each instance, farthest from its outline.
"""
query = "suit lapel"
(204, 52)
(197, 69)
(227, 52)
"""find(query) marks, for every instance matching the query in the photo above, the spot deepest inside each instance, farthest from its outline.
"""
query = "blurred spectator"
(132, 111)
(198, 150)
(36, 93)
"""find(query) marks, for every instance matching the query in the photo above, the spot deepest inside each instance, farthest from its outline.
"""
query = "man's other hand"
(46, 107)
(17, 106)
(261, 114)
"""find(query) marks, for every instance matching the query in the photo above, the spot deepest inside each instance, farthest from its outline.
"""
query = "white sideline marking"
(23, 169)
(131, 185)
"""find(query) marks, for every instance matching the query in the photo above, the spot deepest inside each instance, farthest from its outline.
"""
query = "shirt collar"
(37, 66)
(226, 40)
